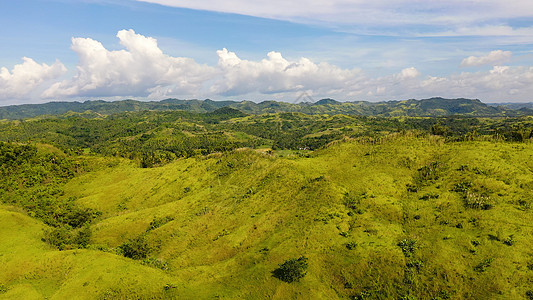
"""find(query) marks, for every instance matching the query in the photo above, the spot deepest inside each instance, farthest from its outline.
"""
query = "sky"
(348, 50)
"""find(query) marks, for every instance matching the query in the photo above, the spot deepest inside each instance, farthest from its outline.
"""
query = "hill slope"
(431, 220)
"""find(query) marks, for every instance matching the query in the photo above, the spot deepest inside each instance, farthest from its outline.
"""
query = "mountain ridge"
(431, 107)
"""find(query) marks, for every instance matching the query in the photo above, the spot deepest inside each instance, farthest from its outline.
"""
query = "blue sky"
(349, 50)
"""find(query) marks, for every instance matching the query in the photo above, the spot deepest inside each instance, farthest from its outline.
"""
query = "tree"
(292, 270)
(136, 248)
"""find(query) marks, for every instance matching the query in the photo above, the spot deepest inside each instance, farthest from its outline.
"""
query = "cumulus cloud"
(142, 68)
(408, 73)
(276, 74)
(496, 57)
(501, 83)
(26, 77)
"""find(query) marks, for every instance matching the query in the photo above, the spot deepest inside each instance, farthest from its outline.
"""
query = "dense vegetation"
(184, 205)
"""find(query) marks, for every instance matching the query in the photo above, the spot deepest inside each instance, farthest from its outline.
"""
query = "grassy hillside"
(399, 217)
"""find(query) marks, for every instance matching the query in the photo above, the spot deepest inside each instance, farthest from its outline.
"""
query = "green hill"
(405, 216)
(433, 107)
(227, 204)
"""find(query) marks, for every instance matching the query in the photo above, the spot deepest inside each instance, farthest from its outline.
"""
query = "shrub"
(428, 196)
(83, 237)
(352, 201)
(344, 233)
(439, 129)
(411, 188)
(408, 247)
(65, 237)
(482, 266)
(169, 286)
(524, 205)
(364, 295)
(156, 263)
(444, 295)
(529, 295)
(477, 201)
(428, 173)
(158, 222)
(415, 264)
(462, 187)
(291, 270)
(59, 237)
(77, 217)
(136, 248)
(351, 245)
(509, 241)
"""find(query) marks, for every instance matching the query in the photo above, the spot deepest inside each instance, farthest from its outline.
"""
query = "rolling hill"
(432, 220)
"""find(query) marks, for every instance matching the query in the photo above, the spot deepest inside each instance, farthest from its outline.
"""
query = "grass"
(231, 219)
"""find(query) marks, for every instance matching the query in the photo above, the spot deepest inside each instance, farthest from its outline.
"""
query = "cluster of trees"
(33, 179)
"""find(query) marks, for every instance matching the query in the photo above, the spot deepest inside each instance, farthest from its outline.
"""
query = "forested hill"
(432, 107)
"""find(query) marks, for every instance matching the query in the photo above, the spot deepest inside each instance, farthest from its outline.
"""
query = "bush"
(411, 188)
(83, 237)
(77, 217)
(415, 264)
(291, 270)
(158, 222)
(477, 201)
(408, 247)
(428, 196)
(529, 295)
(509, 241)
(65, 237)
(482, 266)
(136, 248)
(428, 173)
(169, 286)
(59, 237)
(344, 233)
(462, 187)
(156, 263)
(351, 245)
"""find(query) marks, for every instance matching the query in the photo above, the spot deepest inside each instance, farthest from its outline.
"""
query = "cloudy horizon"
(237, 51)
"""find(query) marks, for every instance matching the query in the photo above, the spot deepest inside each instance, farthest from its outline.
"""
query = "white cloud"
(501, 83)
(496, 57)
(142, 70)
(136, 71)
(26, 77)
(276, 75)
(378, 13)
(408, 73)
(486, 30)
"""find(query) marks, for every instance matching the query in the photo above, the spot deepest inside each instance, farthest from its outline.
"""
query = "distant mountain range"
(433, 107)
